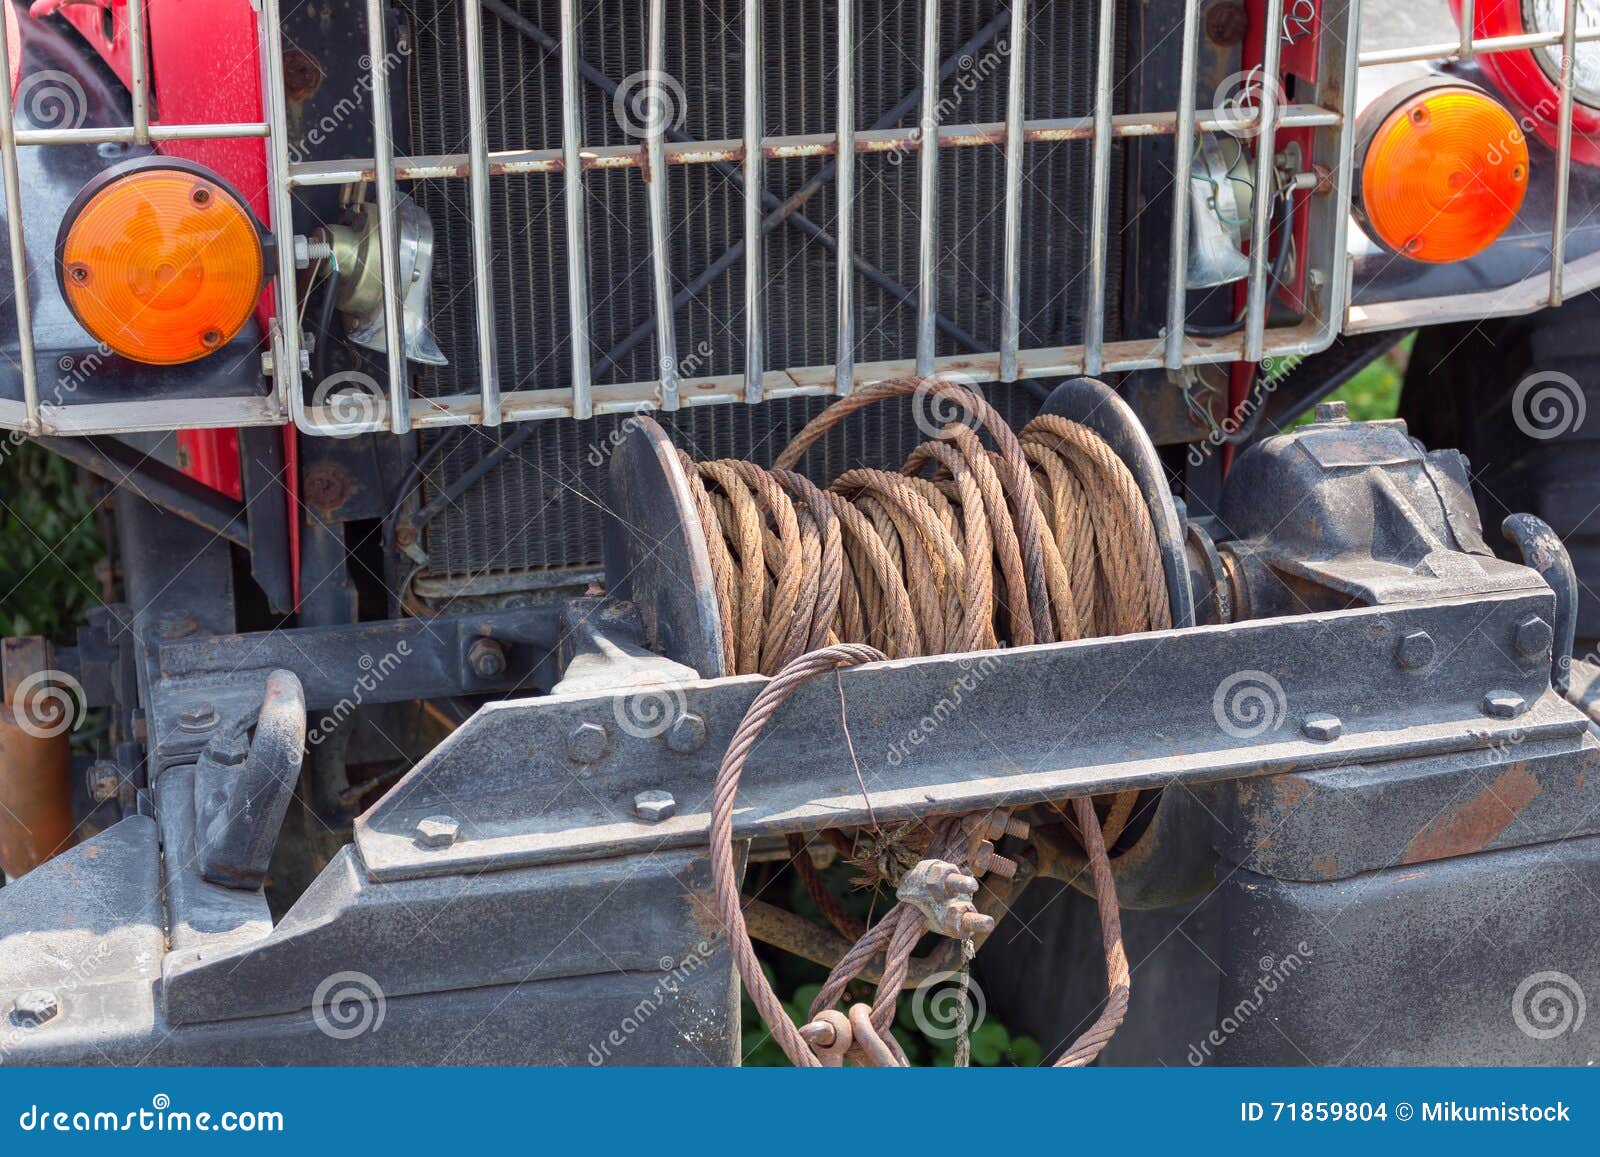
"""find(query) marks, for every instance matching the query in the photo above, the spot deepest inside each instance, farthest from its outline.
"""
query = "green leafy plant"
(49, 544)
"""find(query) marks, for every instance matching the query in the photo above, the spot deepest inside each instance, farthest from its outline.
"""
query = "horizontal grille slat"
(543, 508)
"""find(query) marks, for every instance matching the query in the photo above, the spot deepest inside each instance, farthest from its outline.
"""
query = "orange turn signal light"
(1443, 172)
(161, 261)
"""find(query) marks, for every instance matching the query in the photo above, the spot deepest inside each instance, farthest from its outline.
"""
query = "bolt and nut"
(988, 860)
(1332, 412)
(1322, 728)
(588, 743)
(438, 831)
(35, 1007)
(197, 717)
(487, 658)
(1532, 637)
(654, 806)
(688, 734)
(1503, 704)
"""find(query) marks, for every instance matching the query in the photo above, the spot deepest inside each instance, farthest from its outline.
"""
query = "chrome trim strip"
(478, 151)
(1016, 96)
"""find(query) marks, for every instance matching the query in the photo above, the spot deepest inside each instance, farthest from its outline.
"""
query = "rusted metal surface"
(35, 794)
(800, 146)
(37, 711)
(1474, 825)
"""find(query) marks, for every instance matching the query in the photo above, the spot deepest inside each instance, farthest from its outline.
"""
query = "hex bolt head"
(1332, 412)
(487, 658)
(1416, 650)
(688, 734)
(197, 717)
(654, 806)
(1532, 637)
(438, 831)
(1322, 728)
(35, 1007)
(1503, 704)
(588, 743)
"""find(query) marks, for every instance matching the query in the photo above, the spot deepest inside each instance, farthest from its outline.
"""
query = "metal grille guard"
(1172, 348)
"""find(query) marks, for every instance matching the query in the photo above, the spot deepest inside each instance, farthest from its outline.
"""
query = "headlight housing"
(161, 260)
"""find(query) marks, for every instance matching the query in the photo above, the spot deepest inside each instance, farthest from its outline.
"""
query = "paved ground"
(1398, 24)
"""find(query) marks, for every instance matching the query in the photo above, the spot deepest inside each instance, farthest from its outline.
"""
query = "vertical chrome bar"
(478, 151)
(388, 220)
(1338, 291)
(754, 130)
(1255, 322)
(1467, 19)
(286, 351)
(655, 176)
(844, 368)
(1094, 322)
(928, 196)
(138, 72)
(19, 254)
(1016, 115)
(572, 165)
(1182, 161)
(1558, 218)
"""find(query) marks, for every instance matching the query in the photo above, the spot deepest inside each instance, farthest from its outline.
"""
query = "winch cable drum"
(985, 538)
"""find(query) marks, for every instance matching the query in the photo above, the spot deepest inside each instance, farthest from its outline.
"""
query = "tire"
(1537, 453)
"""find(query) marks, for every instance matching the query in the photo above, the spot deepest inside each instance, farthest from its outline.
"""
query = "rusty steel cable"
(724, 866)
(1037, 536)
(864, 1034)
(1045, 537)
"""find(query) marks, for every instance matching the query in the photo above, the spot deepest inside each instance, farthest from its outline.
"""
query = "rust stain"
(1471, 827)
(1290, 790)
(703, 911)
(1327, 867)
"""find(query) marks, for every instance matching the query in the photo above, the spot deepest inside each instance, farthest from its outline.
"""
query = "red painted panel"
(212, 457)
(204, 68)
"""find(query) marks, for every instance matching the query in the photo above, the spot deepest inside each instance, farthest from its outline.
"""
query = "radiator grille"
(542, 509)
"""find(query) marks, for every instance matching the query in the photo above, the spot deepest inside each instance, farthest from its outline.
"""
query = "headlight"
(1545, 16)
(161, 261)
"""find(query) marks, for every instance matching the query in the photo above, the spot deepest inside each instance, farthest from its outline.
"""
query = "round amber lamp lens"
(163, 266)
(1444, 175)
